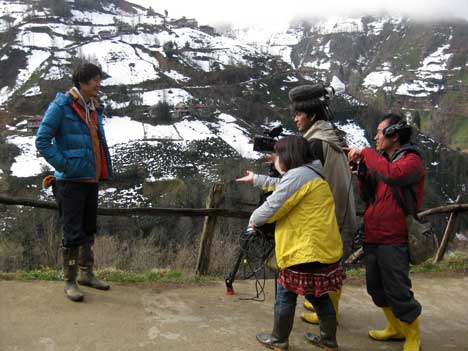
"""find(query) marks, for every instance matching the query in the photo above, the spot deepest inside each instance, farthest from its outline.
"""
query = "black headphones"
(391, 130)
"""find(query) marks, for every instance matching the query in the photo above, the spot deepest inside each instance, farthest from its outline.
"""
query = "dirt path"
(34, 316)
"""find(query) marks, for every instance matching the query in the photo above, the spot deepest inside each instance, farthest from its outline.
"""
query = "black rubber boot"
(70, 269)
(86, 263)
(327, 338)
(278, 339)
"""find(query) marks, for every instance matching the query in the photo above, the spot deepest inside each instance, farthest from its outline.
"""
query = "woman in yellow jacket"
(308, 243)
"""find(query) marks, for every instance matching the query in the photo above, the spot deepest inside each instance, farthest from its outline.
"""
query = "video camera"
(267, 141)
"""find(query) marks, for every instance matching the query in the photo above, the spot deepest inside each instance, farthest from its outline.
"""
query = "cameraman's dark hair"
(404, 133)
(293, 151)
(84, 73)
(310, 108)
(311, 99)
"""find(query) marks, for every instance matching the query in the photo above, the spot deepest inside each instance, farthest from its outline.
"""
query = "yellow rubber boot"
(411, 332)
(309, 306)
(392, 332)
(311, 317)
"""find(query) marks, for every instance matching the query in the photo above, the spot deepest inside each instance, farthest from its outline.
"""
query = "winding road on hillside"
(35, 316)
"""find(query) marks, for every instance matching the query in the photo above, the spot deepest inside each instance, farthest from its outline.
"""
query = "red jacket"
(384, 220)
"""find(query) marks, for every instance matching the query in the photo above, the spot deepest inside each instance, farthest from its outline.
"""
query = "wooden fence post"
(447, 234)
(215, 198)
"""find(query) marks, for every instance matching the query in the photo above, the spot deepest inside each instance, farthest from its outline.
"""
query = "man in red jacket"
(396, 164)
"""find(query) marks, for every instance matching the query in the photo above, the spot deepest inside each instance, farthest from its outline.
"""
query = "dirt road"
(35, 316)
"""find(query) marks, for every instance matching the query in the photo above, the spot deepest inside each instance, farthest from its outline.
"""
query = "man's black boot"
(70, 269)
(86, 264)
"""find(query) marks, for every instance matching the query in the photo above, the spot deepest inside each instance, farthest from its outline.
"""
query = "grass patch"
(458, 262)
(356, 272)
(460, 137)
(455, 263)
(111, 275)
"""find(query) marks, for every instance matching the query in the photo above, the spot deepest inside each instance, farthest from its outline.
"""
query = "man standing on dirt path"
(71, 138)
(310, 104)
(386, 254)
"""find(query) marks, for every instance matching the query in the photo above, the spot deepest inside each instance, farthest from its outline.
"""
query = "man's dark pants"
(387, 279)
(77, 202)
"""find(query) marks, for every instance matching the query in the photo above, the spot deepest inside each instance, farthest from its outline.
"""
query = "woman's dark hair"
(293, 151)
(84, 73)
(401, 128)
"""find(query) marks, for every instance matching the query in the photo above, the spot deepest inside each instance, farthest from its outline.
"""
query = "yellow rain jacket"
(304, 211)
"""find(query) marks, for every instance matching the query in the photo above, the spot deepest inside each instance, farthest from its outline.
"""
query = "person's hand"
(354, 154)
(247, 179)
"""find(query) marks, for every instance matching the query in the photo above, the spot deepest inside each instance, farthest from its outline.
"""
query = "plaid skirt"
(317, 283)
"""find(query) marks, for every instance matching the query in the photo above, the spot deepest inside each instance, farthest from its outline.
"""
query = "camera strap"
(316, 171)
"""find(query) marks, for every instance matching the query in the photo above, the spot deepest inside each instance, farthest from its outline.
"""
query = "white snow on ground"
(36, 90)
(27, 163)
(55, 73)
(277, 43)
(35, 59)
(355, 135)
(3, 25)
(437, 61)
(224, 51)
(338, 85)
(42, 40)
(377, 26)
(236, 137)
(18, 12)
(117, 105)
(338, 25)
(121, 62)
(176, 76)
(146, 39)
(193, 130)
(124, 130)
(322, 64)
(418, 88)
(429, 71)
(375, 80)
(4, 94)
(109, 19)
(282, 51)
(171, 96)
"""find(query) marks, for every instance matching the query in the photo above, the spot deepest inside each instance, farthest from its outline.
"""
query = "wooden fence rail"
(188, 212)
(211, 213)
(135, 211)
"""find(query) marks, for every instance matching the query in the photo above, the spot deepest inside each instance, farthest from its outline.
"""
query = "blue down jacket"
(63, 139)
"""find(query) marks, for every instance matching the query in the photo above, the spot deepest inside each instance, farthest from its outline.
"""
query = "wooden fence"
(212, 212)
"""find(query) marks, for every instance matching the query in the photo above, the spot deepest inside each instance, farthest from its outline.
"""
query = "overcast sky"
(276, 12)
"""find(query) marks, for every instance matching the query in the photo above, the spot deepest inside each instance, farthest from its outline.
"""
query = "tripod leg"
(232, 275)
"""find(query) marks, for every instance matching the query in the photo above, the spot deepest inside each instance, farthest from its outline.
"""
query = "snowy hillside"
(220, 88)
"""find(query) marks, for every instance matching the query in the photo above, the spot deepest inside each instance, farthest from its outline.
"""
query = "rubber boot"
(309, 306)
(312, 318)
(411, 332)
(327, 338)
(70, 269)
(278, 339)
(86, 263)
(393, 331)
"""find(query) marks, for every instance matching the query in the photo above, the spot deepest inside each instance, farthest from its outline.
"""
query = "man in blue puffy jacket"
(71, 138)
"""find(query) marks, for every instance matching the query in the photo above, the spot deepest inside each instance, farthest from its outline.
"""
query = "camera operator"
(396, 163)
(308, 245)
(312, 115)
